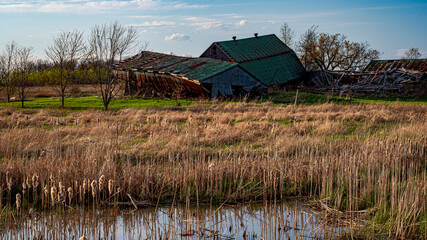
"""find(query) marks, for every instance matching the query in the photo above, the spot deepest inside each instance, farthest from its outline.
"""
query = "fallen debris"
(343, 82)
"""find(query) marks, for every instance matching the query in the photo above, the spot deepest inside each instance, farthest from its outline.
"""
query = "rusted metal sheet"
(388, 65)
(161, 84)
(165, 75)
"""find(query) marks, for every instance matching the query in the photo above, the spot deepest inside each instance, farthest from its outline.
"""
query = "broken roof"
(192, 68)
(388, 65)
(266, 57)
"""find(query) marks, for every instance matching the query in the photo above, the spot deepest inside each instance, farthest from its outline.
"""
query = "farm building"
(163, 75)
(266, 58)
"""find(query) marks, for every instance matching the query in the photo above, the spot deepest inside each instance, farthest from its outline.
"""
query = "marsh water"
(251, 221)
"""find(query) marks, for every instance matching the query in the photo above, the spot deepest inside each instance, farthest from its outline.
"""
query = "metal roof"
(275, 70)
(255, 48)
(265, 57)
(192, 68)
(388, 65)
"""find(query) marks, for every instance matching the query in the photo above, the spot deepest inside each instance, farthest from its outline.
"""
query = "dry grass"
(357, 157)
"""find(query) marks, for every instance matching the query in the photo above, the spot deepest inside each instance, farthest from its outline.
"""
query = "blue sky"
(188, 27)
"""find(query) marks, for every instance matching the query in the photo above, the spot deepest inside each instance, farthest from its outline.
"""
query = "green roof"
(248, 49)
(265, 57)
(275, 70)
(192, 68)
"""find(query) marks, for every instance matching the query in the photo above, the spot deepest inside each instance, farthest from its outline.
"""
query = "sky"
(188, 27)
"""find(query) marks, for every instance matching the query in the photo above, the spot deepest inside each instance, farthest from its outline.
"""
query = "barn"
(162, 75)
(266, 58)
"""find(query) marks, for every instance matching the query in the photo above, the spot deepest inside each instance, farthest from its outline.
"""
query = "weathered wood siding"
(231, 83)
(216, 53)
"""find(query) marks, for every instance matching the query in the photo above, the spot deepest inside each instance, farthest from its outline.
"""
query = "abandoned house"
(229, 68)
(163, 75)
(266, 58)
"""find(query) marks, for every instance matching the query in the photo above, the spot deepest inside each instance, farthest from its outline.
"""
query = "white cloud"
(177, 37)
(241, 23)
(153, 24)
(207, 25)
(232, 15)
(400, 52)
(202, 23)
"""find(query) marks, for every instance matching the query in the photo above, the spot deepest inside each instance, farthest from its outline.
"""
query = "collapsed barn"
(163, 75)
(266, 58)
(229, 68)
(405, 77)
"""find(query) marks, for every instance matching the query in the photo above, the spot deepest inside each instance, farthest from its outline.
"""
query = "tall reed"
(357, 157)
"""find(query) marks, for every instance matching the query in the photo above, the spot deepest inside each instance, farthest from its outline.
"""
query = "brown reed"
(359, 157)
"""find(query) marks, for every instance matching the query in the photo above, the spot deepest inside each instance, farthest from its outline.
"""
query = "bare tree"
(128, 42)
(287, 34)
(412, 53)
(306, 48)
(357, 55)
(2, 71)
(68, 47)
(324, 51)
(9, 65)
(106, 45)
(143, 46)
(24, 66)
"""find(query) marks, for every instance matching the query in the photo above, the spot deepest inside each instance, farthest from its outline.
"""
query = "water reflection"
(260, 221)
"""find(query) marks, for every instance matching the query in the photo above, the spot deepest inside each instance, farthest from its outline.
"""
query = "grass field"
(82, 103)
(369, 157)
(92, 102)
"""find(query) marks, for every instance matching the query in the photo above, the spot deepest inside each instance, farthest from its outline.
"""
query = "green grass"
(83, 103)
(316, 98)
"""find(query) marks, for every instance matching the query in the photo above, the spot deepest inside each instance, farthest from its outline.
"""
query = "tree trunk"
(8, 93)
(22, 102)
(63, 101)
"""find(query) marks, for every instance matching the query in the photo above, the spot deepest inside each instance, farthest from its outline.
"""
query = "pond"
(291, 220)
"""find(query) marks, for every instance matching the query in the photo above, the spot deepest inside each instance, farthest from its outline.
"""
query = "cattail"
(84, 186)
(83, 238)
(9, 181)
(110, 186)
(61, 192)
(53, 194)
(94, 188)
(27, 181)
(35, 180)
(46, 190)
(24, 188)
(70, 195)
(51, 178)
(119, 189)
(101, 183)
(61, 187)
(18, 201)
